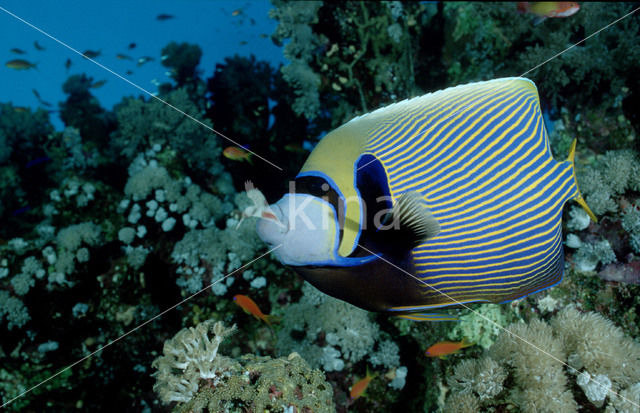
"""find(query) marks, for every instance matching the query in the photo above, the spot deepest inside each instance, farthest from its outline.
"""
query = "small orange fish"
(236, 12)
(360, 386)
(248, 305)
(544, 9)
(236, 154)
(20, 64)
(444, 348)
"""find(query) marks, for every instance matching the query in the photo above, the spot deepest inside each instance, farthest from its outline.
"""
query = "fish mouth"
(272, 226)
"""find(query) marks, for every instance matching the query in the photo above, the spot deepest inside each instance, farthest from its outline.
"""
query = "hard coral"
(189, 357)
(263, 384)
(191, 371)
(348, 334)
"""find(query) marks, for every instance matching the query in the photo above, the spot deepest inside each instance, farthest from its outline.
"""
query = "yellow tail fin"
(579, 199)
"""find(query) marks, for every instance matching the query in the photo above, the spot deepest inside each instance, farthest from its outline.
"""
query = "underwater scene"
(318, 206)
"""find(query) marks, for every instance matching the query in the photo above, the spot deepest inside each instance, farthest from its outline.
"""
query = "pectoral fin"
(413, 219)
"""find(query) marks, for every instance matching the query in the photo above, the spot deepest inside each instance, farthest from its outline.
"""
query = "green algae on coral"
(482, 325)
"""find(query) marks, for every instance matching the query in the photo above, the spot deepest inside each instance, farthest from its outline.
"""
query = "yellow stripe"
(503, 247)
(450, 231)
(542, 253)
(430, 306)
(432, 102)
(407, 174)
(496, 178)
(436, 112)
(488, 148)
(432, 244)
(446, 137)
(493, 264)
(500, 290)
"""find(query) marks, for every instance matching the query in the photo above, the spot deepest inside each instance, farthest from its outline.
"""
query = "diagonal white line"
(491, 321)
(140, 326)
(588, 37)
(137, 86)
(536, 67)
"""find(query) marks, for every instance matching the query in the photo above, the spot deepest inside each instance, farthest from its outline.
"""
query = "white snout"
(306, 227)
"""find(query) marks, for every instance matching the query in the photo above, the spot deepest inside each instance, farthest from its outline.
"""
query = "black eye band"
(319, 187)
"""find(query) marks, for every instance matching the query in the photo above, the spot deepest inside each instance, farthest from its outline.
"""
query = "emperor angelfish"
(444, 199)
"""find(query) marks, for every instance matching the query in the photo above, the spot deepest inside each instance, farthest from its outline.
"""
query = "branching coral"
(348, 334)
(182, 60)
(16, 313)
(481, 326)
(542, 383)
(613, 173)
(597, 345)
(82, 110)
(23, 135)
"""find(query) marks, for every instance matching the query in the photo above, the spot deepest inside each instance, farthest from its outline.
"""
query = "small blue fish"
(21, 211)
(37, 161)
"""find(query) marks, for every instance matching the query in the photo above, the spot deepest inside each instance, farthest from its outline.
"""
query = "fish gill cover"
(120, 214)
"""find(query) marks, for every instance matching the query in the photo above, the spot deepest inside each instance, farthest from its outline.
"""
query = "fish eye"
(313, 186)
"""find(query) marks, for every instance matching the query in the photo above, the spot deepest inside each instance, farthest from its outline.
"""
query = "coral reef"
(481, 326)
(351, 56)
(189, 357)
(330, 333)
(191, 372)
(125, 212)
(533, 366)
(144, 124)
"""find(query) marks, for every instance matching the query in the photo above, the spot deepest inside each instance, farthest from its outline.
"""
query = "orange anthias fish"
(248, 305)
(360, 386)
(444, 348)
(236, 154)
(544, 9)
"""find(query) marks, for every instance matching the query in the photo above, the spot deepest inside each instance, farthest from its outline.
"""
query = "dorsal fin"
(410, 215)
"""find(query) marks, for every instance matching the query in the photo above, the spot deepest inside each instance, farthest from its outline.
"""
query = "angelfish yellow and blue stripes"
(479, 154)
(467, 179)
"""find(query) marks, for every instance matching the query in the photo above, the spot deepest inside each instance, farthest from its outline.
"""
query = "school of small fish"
(24, 64)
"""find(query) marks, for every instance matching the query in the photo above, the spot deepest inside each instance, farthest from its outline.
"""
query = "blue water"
(109, 27)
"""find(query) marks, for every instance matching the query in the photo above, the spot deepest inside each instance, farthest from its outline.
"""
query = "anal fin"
(428, 317)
